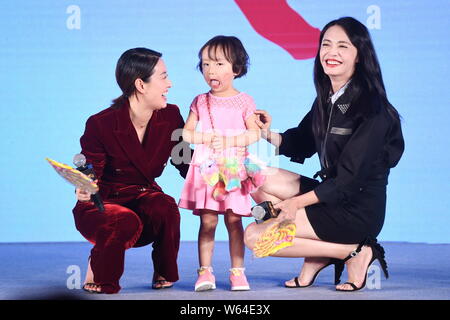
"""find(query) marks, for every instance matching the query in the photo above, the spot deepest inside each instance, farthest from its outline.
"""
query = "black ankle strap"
(355, 252)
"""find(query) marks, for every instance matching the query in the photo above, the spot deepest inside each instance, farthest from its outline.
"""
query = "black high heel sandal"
(338, 268)
(377, 254)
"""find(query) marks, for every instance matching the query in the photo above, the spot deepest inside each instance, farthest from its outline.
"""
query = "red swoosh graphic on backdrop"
(279, 23)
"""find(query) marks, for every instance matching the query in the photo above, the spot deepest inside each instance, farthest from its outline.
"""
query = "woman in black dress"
(357, 135)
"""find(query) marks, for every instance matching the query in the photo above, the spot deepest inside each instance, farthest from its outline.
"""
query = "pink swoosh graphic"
(279, 23)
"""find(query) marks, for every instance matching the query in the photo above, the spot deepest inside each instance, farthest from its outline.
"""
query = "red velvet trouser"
(149, 217)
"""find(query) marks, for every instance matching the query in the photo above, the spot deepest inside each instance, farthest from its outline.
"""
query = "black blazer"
(356, 151)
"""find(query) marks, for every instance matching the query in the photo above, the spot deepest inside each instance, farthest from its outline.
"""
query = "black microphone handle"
(88, 170)
(97, 199)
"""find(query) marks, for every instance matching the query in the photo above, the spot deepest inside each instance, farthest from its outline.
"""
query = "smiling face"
(338, 56)
(156, 88)
(218, 72)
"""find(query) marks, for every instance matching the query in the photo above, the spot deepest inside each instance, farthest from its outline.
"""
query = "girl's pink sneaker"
(206, 280)
(238, 280)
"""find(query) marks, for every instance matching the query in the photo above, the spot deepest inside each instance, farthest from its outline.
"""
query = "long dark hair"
(137, 63)
(366, 82)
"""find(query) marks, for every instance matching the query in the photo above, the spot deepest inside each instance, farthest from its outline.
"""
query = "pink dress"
(229, 115)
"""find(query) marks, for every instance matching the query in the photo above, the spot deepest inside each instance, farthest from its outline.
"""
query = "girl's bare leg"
(208, 224)
(235, 229)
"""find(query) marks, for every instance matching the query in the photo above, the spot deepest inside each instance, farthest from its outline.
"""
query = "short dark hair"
(136, 63)
(234, 53)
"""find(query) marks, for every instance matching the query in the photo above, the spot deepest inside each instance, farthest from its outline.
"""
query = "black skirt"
(350, 222)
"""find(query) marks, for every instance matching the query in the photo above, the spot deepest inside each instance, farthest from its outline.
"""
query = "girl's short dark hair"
(136, 63)
(234, 53)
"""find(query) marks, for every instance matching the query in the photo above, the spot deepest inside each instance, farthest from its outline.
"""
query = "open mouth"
(214, 83)
(332, 63)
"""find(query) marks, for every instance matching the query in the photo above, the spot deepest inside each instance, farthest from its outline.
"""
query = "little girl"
(225, 121)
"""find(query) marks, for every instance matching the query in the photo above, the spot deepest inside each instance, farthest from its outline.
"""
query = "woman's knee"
(279, 185)
(124, 227)
(160, 206)
(250, 235)
(129, 226)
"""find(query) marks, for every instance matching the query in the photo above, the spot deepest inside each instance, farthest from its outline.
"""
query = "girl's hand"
(207, 138)
(288, 209)
(263, 120)
(241, 152)
(218, 143)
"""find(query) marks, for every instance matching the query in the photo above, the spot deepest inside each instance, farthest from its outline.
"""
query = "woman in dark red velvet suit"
(129, 145)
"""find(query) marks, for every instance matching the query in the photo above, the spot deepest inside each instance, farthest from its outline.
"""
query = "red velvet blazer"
(123, 165)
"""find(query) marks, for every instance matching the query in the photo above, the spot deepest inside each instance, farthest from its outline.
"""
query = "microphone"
(79, 160)
(264, 211)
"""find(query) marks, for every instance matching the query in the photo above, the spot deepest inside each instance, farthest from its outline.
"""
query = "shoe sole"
(242, 288)
(204, 286)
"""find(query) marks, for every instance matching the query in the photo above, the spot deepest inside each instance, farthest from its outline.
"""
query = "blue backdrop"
(57, 62)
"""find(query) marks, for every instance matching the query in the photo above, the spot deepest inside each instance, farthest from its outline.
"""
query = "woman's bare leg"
(315, 258)
(310, 267)
(356, 266)
(89, 274)
(302, 247)
(357, 269)
(280, 185)
(89, 280)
